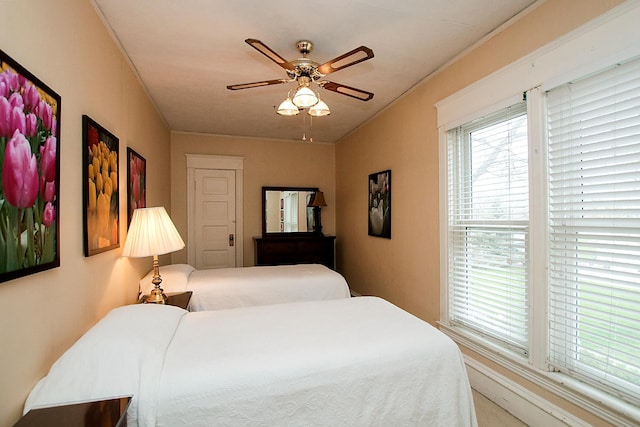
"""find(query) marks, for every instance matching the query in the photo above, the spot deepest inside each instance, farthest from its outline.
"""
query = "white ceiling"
(186, 52)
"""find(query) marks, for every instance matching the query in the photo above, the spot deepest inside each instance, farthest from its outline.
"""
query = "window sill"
(595, 401)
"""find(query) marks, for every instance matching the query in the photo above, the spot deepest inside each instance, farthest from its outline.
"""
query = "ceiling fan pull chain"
(304, 127)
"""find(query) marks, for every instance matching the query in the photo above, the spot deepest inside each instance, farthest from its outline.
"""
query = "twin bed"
(222, 288)
(335, 361)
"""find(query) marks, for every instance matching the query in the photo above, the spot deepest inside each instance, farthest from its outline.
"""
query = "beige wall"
(65, 45)
(267, 162)
(404, 138)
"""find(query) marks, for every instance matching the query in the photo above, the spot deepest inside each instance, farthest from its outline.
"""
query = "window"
(594, 222)
(580, 265)
(592, 233)
(291, 211)
(488, 226)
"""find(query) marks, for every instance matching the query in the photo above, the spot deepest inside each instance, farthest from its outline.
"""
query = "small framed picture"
(136, 183)
(100, 188)
(380, 204)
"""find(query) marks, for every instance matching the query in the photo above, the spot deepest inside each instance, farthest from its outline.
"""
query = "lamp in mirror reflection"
(152, 233)
(317, 202)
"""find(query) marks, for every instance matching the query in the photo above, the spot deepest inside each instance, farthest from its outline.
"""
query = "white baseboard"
(528, 407)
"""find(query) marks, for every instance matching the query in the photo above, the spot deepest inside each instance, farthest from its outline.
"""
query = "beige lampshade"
(151, 232)
(317, 200)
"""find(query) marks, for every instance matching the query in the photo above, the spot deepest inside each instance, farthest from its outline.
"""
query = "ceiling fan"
(305, 71)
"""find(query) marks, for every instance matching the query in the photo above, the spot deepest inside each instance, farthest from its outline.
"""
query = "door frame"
(205, 161)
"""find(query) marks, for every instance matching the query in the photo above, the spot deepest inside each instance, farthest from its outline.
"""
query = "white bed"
(351, 362)
(221, 288)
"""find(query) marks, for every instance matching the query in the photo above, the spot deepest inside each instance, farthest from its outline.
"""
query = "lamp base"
(156, 296)
(317, 221)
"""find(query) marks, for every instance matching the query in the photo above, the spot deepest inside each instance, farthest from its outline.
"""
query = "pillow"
(174, 279)
(112, 359)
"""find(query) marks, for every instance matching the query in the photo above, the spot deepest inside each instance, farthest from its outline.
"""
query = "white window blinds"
(488, 226)
(594, 219)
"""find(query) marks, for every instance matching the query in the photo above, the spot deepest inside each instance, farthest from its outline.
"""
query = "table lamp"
(151, 233)
(317, 202)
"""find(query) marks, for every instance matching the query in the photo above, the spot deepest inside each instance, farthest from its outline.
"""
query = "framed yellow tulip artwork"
(100, 185)
(30, 167)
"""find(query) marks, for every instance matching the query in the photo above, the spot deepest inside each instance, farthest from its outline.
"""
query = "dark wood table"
(179, 299)
(100, 413)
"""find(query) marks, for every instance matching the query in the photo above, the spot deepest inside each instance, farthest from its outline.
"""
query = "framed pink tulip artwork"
(29, 186)
(100, 188)
(136, 182)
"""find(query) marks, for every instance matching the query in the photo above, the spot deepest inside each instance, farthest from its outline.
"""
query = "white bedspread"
(349, 362)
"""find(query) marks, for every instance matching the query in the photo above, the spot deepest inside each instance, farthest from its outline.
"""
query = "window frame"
(604, 41)
(534, 365)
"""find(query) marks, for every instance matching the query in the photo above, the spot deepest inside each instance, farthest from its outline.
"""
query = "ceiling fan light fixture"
(287, 108)
(320, 109)
(305, 97)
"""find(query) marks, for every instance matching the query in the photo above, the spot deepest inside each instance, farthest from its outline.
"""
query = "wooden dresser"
(298, 249)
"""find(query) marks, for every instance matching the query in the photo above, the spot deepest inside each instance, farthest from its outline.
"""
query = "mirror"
(284, 210)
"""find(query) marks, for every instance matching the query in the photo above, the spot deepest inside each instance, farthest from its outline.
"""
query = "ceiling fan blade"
(257, 84)
(360, 94)
(266, 51)
(353, 57)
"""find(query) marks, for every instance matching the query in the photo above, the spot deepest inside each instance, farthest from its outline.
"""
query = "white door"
(215, 218)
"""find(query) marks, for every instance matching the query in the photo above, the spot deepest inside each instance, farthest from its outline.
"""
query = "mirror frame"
(264, 212)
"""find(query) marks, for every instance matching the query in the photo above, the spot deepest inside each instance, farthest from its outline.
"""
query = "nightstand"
(103, 413)
(178, 299)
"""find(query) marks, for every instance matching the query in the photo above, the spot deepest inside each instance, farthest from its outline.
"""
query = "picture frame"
(379, 215)
(30, 113)
(101, 219)
(136, 183)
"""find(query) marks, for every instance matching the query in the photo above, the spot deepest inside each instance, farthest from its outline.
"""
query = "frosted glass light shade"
(151, 232)
(287, 108)
(304, 97)
(320, 109)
